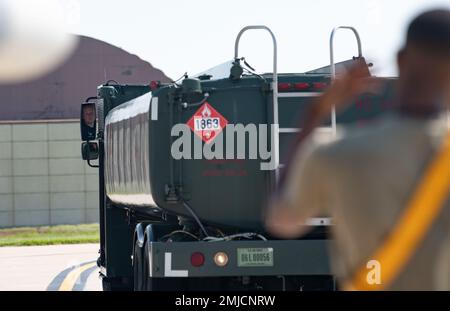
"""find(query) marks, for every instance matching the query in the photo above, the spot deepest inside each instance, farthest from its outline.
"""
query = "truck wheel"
(138, 269)
(115, 284)
(147, 284)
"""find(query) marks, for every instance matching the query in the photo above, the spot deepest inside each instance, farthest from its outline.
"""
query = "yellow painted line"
(72, 277)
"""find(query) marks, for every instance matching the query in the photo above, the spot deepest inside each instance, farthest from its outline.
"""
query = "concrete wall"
(43, 180)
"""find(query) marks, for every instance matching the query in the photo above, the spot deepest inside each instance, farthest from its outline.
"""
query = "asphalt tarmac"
(53, 267)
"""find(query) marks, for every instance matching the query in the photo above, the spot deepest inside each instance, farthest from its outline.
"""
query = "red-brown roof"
(58, 95)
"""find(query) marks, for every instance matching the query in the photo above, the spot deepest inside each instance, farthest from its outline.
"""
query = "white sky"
(193, 35)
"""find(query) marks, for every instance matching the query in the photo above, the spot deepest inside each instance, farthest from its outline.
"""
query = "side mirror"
(88, 121)
(89, 151)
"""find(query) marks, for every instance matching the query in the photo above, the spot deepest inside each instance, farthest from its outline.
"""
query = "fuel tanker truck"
(186, 170)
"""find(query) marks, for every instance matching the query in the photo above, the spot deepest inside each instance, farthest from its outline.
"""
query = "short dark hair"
(431, 30)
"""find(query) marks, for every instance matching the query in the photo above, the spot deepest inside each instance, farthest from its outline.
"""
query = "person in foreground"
(385, 185)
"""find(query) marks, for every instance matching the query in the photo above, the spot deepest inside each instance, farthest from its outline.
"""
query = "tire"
(145, 268)
(138, 269)
(115, 284)
(106, 285)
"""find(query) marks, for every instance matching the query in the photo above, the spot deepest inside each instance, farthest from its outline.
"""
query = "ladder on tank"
(276, 130)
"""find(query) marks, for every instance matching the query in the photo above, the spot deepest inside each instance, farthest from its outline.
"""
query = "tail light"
(284, 87)
(154, 85)
(301, 86)
(319, 85)
(197, 259)
(221, 259)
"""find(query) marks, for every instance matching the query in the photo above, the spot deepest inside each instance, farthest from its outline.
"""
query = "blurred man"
(365, 179)
(89, 115)
(88, 126)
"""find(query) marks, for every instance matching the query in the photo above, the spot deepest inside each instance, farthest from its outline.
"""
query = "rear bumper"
(290, 257)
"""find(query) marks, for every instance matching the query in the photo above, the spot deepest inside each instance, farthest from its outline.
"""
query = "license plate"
(255, 257)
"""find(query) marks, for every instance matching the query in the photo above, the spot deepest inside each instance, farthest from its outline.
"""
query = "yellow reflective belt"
(422, 209)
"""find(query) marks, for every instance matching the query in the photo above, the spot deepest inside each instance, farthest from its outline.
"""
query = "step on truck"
(186, 170)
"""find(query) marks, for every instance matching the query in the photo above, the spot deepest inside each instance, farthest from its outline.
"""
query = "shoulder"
(376, 136)
(383, 138)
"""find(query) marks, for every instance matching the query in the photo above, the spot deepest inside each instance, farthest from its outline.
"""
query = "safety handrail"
(275, 133)
(333, 32)
(333, 65)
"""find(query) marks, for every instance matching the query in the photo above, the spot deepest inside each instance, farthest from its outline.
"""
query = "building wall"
(43, 180)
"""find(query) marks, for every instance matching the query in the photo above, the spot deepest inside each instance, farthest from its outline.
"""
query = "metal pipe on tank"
(333, 65)
(171, 194)
(275, 129)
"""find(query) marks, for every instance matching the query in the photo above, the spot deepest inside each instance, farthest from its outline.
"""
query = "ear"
(401, 55)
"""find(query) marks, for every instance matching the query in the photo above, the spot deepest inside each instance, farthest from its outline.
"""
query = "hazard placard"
(207, 123)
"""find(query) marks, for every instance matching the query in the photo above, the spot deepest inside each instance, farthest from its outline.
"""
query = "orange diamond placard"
(207, 123)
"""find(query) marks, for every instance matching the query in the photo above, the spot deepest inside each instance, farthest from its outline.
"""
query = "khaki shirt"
(363, 181)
